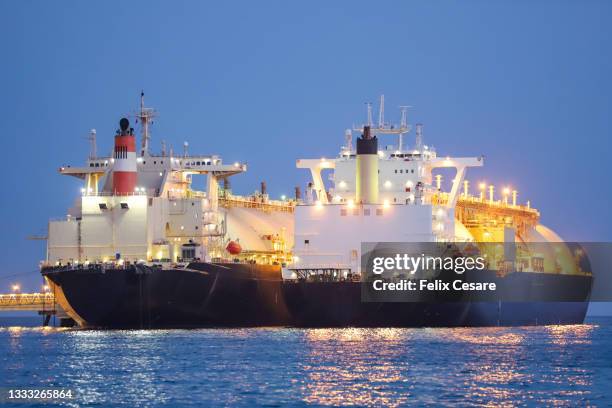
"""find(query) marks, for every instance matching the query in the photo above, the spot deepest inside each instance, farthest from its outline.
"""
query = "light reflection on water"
(552, 365)
(356, 366)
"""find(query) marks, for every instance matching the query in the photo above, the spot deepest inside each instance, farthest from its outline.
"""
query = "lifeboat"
(233, 248)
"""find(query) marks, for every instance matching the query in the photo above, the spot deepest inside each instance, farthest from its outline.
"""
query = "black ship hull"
(526, 299)
(244, 295)
(533, 299)
(199, 295)
(338, 304)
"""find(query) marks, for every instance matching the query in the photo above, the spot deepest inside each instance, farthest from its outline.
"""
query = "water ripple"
(552, 365)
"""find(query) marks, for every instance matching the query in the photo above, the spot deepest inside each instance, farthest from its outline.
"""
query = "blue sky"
(527, 84)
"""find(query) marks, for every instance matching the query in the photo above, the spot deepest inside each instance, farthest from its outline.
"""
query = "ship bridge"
(193, 164)
(96, 170)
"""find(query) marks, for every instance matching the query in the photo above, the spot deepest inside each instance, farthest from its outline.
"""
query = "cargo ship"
(143, 248)
(394, 193)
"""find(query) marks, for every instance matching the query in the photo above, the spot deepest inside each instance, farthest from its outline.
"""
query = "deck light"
(482, 186)
(505, 192)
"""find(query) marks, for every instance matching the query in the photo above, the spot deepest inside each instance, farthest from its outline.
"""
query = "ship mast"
(381, 112)
(92, 144)
(403, 125)
(386, 128)
(145, 116)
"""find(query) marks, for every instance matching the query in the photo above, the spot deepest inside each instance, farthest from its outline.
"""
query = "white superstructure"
(165, 218)
(332, 222)
(380, 192)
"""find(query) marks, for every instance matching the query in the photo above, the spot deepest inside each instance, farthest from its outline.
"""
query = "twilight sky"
(527, 84)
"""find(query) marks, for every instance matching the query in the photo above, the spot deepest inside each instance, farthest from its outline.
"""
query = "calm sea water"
(554, 365)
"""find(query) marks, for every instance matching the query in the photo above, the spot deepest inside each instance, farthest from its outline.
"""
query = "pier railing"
(38, 302)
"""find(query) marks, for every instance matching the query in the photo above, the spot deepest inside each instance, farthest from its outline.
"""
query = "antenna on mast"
(369, 105)
(381, 113)
(92, 146)
(404, 116)
(403, 125)
(348, 138)
(419, 136)
(145, 116)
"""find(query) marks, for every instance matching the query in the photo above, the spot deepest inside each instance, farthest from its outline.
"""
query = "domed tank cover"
(233, 248)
